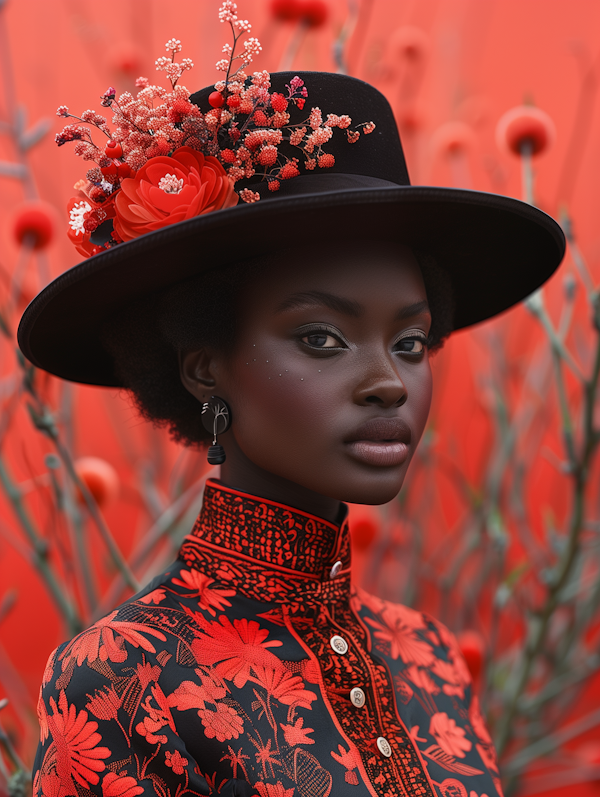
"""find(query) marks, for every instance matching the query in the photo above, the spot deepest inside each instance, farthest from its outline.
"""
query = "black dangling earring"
(216, 419)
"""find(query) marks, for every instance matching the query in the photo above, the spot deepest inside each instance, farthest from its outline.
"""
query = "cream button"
(384, 746)
(357, 696)
(336, 569)
(339, 644)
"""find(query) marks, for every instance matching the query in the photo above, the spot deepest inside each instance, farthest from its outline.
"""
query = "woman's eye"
(321, 340)
(415, 346)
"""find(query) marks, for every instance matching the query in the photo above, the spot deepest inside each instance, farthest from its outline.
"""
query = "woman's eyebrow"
(311, 298)
(418, 308)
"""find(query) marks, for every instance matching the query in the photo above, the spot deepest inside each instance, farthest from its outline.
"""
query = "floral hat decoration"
(186, 182)
(166, 161)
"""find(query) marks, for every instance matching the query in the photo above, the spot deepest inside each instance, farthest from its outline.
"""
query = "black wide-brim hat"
(496, 250)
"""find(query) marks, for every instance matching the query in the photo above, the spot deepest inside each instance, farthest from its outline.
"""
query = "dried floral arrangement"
(166, 161)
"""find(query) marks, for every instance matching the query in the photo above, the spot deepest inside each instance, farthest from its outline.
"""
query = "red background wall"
(482, 58)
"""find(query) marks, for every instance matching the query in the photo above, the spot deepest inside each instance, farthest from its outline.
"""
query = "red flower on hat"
(169, 189)
(85, 216)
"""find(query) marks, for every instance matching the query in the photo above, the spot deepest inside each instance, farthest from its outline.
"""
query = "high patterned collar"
(266, 550)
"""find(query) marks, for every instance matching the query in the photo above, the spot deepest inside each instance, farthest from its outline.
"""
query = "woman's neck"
(239, 473)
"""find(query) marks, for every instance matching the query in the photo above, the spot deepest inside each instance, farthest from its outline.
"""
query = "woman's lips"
(385, 454)
(384, 442)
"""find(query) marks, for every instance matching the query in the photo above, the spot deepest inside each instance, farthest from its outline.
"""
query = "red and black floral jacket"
(252, 667)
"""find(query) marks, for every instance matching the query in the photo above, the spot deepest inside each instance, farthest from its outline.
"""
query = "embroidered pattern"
(222, 678)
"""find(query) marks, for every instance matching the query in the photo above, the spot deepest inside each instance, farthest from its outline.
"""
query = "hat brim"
(497, 250)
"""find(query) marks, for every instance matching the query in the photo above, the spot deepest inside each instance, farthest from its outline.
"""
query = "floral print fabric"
(223, 677)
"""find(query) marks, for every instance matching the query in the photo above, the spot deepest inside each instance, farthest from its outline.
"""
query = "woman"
(292, 333)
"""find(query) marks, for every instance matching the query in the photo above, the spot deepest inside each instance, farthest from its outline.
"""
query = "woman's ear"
(196, 372)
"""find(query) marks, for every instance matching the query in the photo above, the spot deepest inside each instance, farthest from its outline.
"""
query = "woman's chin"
(379, 487)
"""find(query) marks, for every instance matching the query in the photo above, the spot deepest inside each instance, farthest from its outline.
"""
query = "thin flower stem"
(96, 516)
(40, 552)
(535, 305)
(540, 622)
(8, 747)
(526, 149)
(151, 539)
(552, 741)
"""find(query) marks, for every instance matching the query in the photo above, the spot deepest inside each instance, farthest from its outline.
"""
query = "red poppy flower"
(99, 477)
(35, 222)
(167, 190)
(525, 125)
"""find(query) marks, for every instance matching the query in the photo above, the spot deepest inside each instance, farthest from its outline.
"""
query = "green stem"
(527, 171)
(539, 626)
(109, 540)
(40, 551)
(9, 749)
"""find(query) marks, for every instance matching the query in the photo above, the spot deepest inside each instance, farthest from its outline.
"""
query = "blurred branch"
(539, 621)
(43, 420)
(39, 550)
(18, 778)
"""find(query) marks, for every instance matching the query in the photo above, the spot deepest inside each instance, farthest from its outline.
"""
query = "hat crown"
(378, 155)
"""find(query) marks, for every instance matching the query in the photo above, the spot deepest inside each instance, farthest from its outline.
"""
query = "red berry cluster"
(243, 130)
(249, 122)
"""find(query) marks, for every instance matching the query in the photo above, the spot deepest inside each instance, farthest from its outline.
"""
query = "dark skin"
(329, 382)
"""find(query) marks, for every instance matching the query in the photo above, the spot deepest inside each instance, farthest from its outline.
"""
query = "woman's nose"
(381, 386)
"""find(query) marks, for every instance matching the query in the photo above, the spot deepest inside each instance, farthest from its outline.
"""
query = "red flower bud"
(110, 169)
(233, 101)
(314, 13)
(523, 126)
(215, 99)
(99, 476)
(472, 646)
(34, 222)
(409, 43)
(113, 150)
(453, 138)
(227, 155)
(286, 10)
(278, 102)
(363, 532)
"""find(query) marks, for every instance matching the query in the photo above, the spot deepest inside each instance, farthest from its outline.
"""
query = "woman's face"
(329, 383)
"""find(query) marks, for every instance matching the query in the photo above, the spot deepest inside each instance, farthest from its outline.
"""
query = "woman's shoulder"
(157, 624)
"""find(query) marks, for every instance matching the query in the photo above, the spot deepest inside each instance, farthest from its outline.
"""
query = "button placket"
(336, 569)
(384, 746)
(339, 644)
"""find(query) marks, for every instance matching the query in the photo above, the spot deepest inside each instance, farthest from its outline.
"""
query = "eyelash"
(321, 329)
(415, 335)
